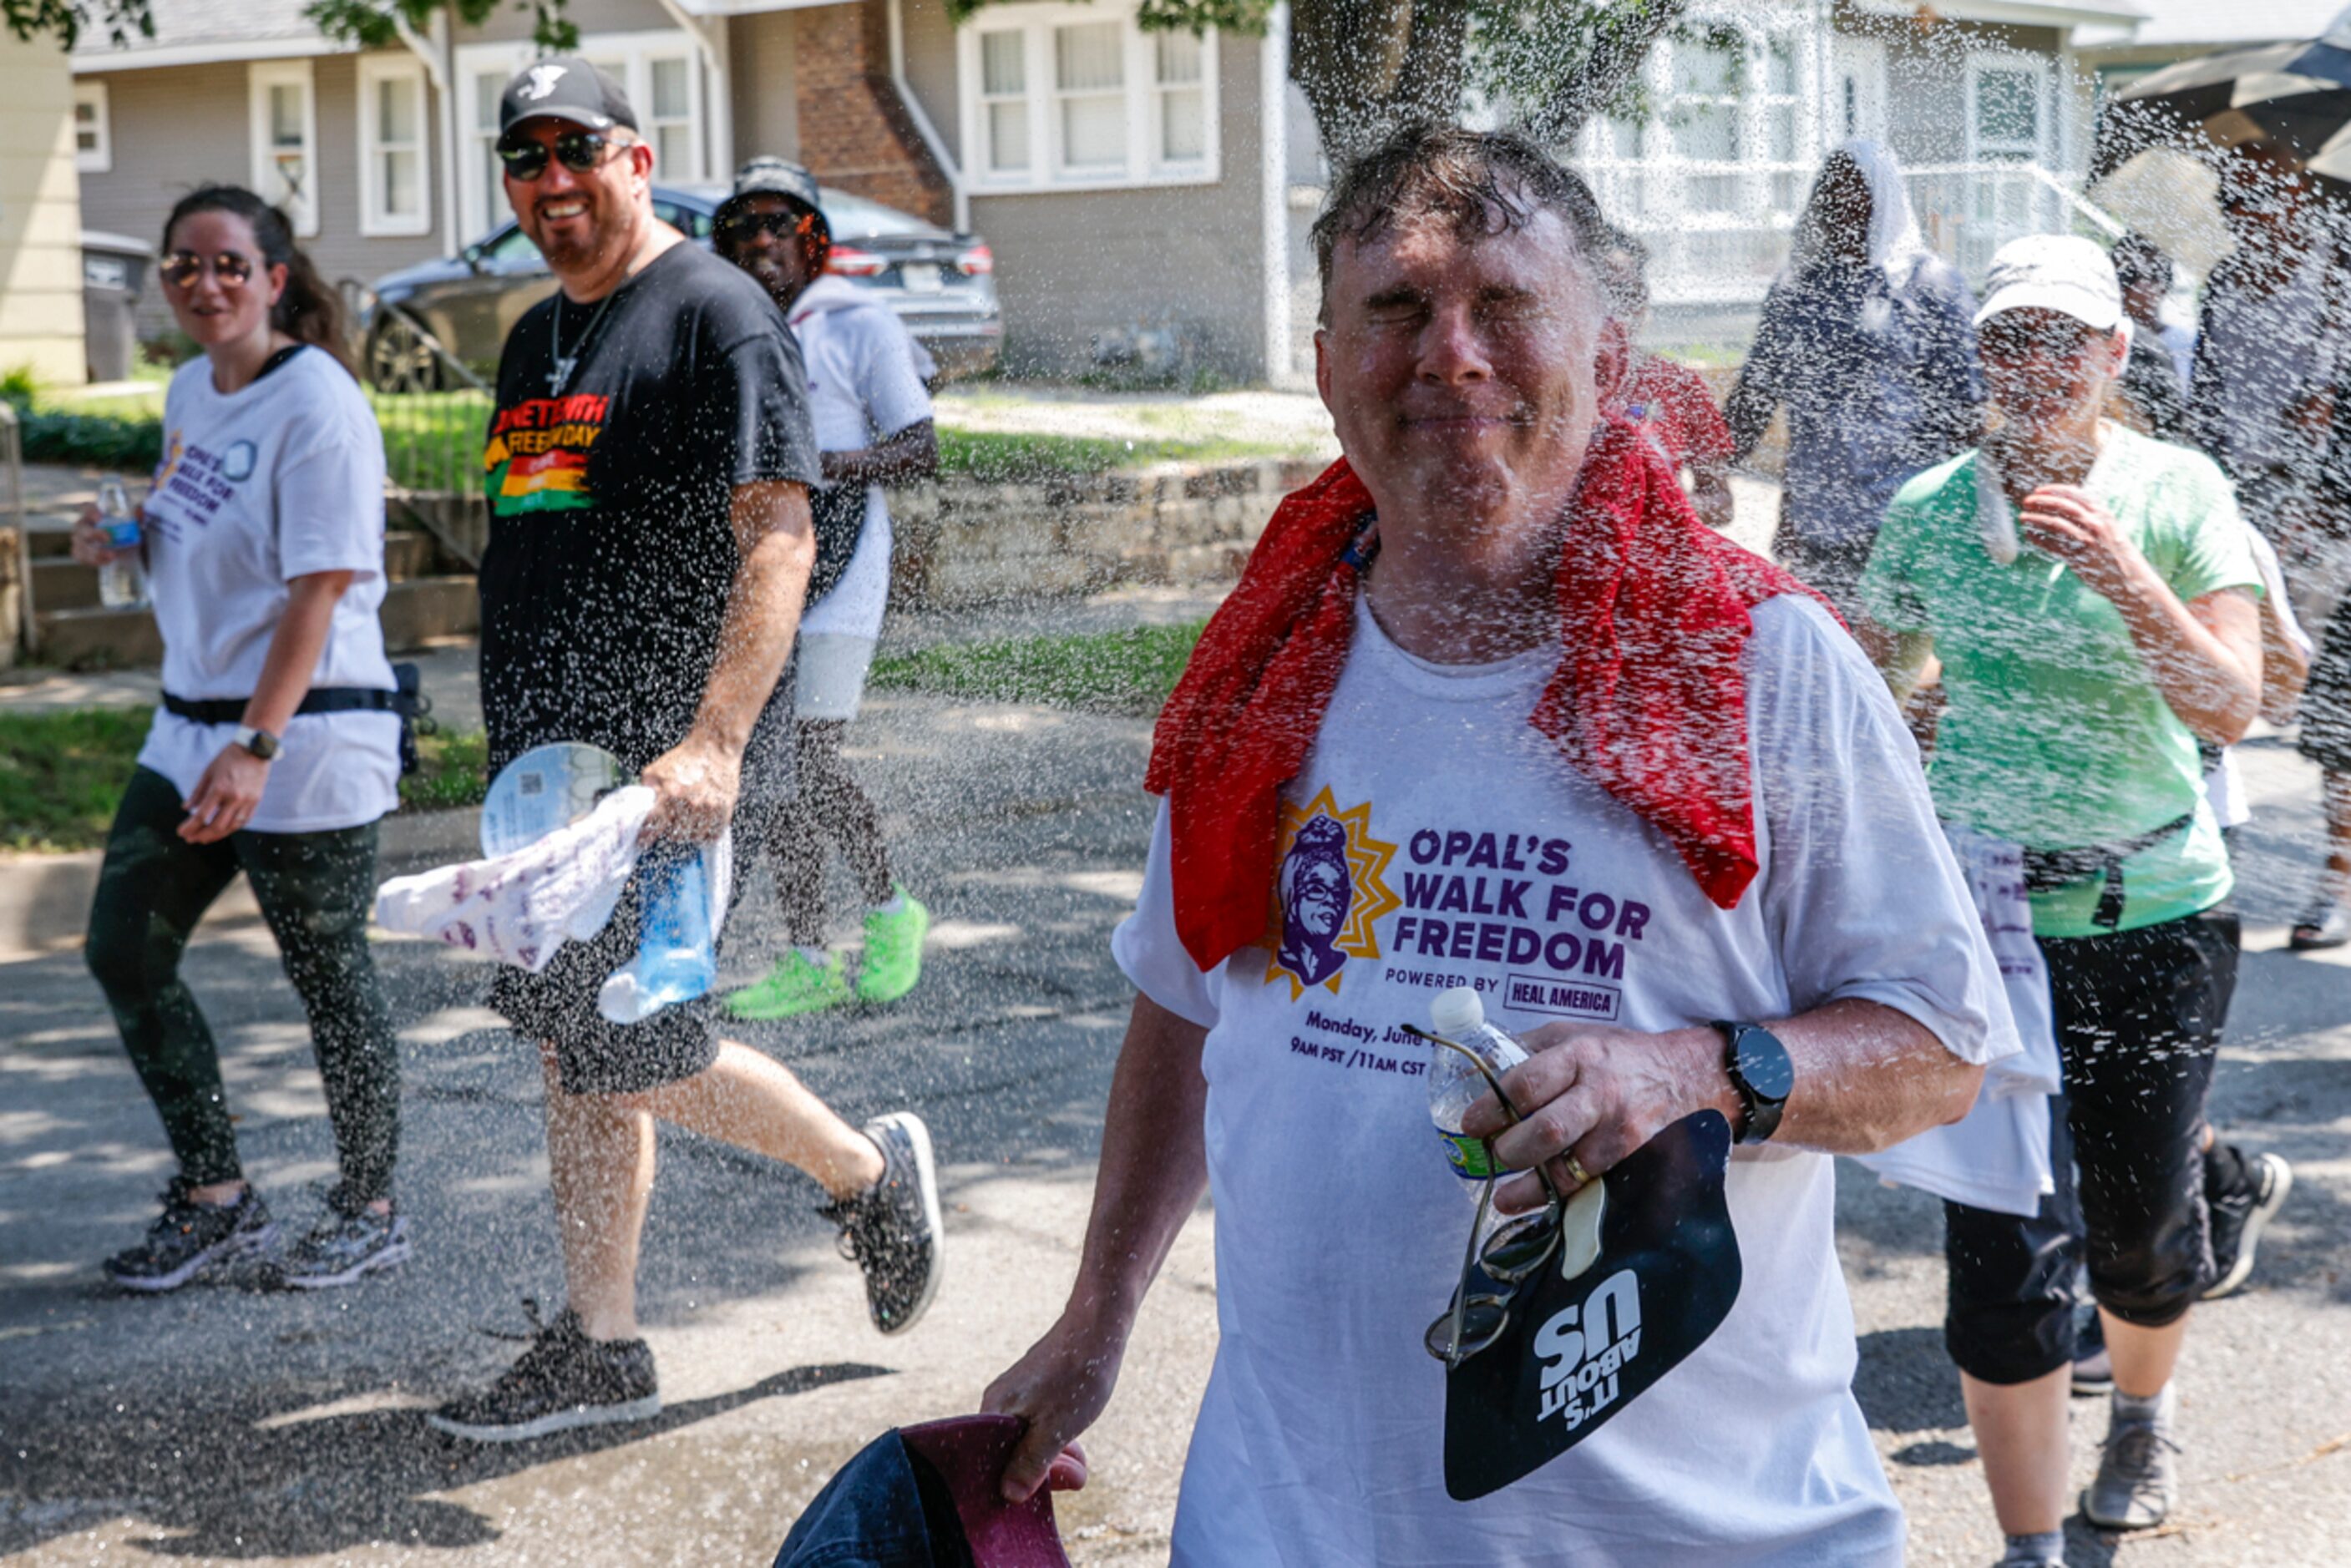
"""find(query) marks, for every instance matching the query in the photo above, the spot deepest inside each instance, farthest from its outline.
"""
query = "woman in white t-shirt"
(276, 748)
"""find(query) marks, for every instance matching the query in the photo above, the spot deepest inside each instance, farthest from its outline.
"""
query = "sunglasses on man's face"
(182, 269)
(1507, 1257)
(526, 159)
(740, 226)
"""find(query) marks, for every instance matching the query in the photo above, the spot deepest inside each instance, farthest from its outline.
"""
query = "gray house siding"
(338, 248)
(760, 50)
(512, 24)
(1071, 266)
(930, 68)
(176, 128)
(1927, 78)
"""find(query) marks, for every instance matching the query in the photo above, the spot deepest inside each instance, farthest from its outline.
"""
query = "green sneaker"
(893, 952)
(794, 986)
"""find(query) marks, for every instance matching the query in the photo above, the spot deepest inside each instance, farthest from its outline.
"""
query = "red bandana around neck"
(1648, 700)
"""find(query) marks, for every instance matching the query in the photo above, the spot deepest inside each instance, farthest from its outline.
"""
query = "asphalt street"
(223, 1425)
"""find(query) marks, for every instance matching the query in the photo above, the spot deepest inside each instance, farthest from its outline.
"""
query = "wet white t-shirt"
(278, 480)
(863, 387)
(1434, 838)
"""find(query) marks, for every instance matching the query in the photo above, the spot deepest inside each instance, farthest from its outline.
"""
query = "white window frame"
(1982, 62)
(1145, 163)
(262, 76)
(1657, 177)
(480, 199)
(98, 158)
(1860, 61)
(376, 220)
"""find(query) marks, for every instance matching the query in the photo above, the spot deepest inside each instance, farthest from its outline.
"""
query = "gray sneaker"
(341, 1249)
(192, 1239)
(2138, 1478)
(891, 1232)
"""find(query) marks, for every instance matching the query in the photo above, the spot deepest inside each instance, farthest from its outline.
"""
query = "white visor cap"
(2063, 272)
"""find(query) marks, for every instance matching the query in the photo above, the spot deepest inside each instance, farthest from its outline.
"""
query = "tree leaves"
(376, 23)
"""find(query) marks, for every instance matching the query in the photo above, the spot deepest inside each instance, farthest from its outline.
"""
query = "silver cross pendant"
(560, 377)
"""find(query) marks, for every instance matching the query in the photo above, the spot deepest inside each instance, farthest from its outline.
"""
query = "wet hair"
(2139, 260)
(310, 311)
(1481, 183)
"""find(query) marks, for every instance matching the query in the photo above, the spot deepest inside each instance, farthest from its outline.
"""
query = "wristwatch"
(1759, 1070)
(260, 743)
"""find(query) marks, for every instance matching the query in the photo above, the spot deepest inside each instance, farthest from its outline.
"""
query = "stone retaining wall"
(964, 542)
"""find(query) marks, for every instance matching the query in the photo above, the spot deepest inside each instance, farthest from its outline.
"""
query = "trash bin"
(113, 271)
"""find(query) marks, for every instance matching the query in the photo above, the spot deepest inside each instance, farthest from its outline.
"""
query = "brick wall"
(853, 131)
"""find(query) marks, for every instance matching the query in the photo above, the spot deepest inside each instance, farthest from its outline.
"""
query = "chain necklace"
(559, 377)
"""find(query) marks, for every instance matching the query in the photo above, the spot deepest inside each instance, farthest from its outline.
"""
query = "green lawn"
(61, 775)
(433, 441)
(1017, 457)
(1120, 672)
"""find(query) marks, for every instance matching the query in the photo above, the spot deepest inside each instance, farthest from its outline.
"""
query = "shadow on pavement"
(238, 1481)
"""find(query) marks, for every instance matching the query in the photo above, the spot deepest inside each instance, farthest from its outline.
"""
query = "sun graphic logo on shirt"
(1329, 894)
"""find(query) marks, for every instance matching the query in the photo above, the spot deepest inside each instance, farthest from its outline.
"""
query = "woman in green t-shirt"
(2091, 597)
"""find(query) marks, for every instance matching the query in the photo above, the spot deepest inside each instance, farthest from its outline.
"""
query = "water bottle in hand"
(677, 953)
(121, 584)
(1454, 1085)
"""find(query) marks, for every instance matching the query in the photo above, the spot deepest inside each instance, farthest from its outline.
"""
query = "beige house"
(41, 214)
(1126, 181)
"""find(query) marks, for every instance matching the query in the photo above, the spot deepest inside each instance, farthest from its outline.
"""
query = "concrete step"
(415, 614)
(62, 583)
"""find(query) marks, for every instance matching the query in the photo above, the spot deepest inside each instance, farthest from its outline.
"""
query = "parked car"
(941, 286)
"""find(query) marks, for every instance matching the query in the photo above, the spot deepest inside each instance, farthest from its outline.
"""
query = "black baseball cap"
(771, 176)
(565, 87)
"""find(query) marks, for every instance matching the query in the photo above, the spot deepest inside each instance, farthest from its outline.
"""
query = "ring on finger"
(1576, 1171)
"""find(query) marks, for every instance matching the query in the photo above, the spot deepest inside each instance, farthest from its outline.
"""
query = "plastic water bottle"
(121, 584)
(1454, 1085)
(676, 959)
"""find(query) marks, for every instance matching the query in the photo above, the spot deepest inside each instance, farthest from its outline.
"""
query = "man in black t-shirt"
(650, 545)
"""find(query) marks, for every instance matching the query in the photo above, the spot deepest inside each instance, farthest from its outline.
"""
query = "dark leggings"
(829, 804)
(315, 889)
(2138, 1022)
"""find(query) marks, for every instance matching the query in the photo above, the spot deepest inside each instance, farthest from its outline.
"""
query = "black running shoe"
(341, 1249)
(564, 1380)
(2238, 1217)
(191, 1239)
(891, 1232)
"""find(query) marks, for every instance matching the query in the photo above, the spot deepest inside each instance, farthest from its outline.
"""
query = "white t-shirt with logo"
(1434, 838)
(863, 387)
(276, 480)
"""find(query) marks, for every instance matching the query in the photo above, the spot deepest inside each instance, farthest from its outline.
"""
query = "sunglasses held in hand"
(579, 150)
(1514, 1251)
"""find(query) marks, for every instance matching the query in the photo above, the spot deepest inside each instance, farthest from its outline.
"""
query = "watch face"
(1764, 1063)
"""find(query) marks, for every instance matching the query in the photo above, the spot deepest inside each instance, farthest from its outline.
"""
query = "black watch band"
(1761, 1073)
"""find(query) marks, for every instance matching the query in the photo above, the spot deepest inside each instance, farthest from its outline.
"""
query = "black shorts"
(2138, 1022)
(558, 1005)
(2327, 700)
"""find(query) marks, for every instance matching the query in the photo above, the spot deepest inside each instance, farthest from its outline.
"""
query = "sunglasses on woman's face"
(181, 269)
(580, 151)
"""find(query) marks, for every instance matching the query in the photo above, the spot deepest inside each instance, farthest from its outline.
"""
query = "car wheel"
(400, 358)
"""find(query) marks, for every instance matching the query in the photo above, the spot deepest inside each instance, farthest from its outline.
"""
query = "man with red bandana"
(1559, 728)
